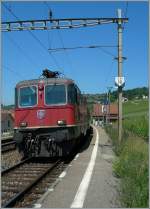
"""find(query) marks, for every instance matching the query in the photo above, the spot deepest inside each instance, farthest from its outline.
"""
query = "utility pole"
(119, 75)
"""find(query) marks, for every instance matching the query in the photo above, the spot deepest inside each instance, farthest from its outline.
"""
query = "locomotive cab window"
(28, 96)
(55, 94)
(72, 94)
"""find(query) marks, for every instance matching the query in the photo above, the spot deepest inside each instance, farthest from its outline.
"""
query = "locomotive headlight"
(23, 124)
(61, 122)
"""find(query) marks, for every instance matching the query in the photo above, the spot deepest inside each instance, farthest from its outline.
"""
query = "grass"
(136, 121)
(131, 166)
(135, 107)
(137, 126)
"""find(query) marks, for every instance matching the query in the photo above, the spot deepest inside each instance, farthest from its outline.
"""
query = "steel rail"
(8, 146)
(8, 143)
(16, 165)
(6, 139)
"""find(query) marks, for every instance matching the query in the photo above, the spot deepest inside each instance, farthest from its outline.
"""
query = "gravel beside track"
(10, 158)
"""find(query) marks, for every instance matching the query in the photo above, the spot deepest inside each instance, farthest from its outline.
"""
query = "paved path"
(88, 182)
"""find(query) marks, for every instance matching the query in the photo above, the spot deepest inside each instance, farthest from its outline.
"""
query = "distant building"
(103, 113)
(7, 120)
(144, 97)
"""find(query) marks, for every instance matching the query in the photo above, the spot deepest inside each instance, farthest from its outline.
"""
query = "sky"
(93, 70)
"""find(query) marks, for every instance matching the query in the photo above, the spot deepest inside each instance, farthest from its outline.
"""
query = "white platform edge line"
(63, 174)
(82, 190)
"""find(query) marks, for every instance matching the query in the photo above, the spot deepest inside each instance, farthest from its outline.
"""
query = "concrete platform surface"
(88, 181)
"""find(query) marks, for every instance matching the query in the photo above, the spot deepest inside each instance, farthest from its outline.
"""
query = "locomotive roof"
(45, 81)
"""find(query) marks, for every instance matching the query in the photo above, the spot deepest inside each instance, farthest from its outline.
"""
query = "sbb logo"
(41, 114)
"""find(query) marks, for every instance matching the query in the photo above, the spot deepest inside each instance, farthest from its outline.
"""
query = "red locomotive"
(50, 116)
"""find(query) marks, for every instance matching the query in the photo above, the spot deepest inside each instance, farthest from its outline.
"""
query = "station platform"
(88, 182)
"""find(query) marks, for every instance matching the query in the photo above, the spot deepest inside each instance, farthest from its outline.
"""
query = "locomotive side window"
(72, 94)
(16, 98)
(55, 94)
(28, 96)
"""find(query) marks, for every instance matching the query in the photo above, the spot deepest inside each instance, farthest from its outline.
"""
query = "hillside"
(131, 94)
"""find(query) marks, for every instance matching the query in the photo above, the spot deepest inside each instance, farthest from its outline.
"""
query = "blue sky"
(92, 69)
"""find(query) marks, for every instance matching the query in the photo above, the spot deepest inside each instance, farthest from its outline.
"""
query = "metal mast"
(119, 76)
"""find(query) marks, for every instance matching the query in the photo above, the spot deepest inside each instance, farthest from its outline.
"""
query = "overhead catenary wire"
(13, 71)
(108, 75)
(50, 16)
(61, 39)
(109, 71)
(10, 69)
(106, 52)
(126, 10)
(65, 52)
(101, 47)
(80, 47)
(125, 13)
(35, 37)
(45, 2)
(20, 48)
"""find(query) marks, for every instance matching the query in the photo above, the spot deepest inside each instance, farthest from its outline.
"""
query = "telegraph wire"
(35, 37)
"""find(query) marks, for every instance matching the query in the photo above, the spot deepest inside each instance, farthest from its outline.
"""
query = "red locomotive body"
(50, 116)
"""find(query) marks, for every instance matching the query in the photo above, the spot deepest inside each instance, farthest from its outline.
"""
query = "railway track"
(7, 145)
(18, 180)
